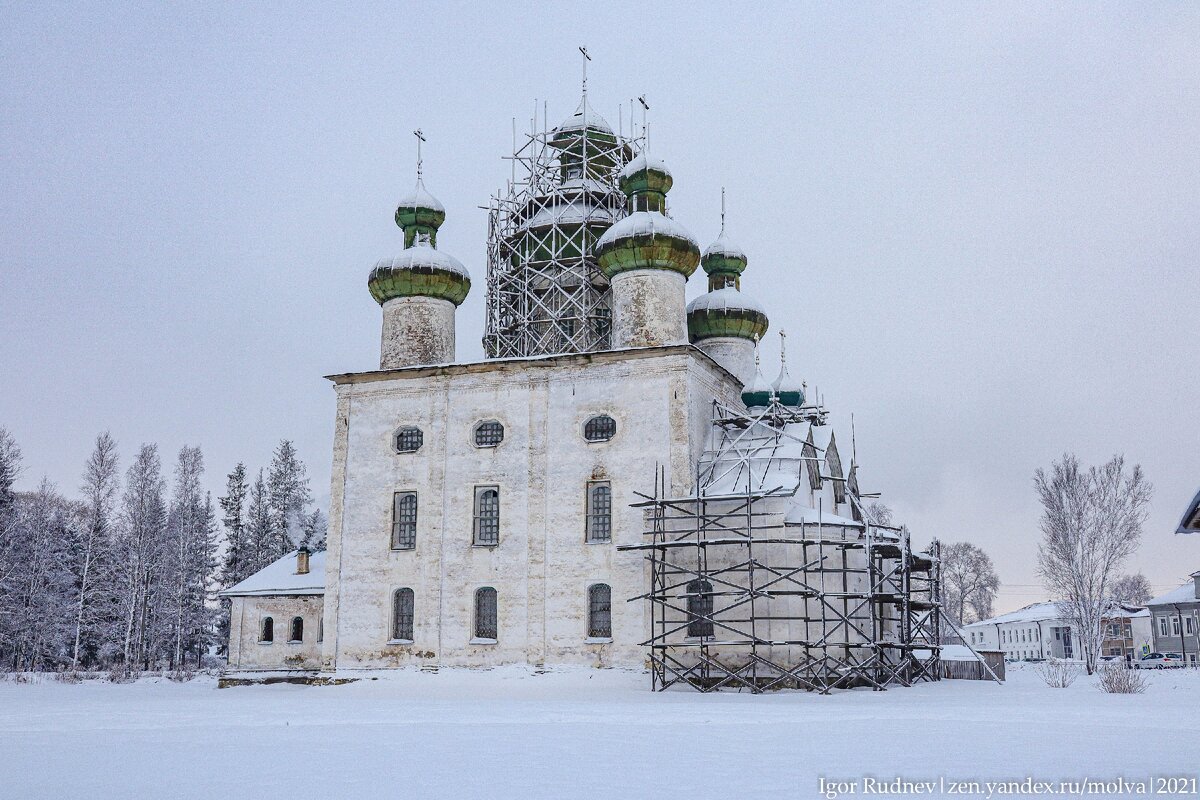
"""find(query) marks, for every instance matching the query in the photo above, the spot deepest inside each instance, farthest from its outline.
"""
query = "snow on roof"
(423, 256)
(1182, 594)
(644, 223)
(723, 300)
(1034, 612)
(1190, 523)
(575, 212)
(584, 117)
(724, 247)
(420, 197)
(279, 577)
(641, 162)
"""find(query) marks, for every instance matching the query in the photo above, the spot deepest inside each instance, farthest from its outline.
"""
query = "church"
(619, 483)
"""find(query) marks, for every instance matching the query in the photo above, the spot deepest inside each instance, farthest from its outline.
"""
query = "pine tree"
(233, 506)
(259, 546)
(10, 467)
(315, 527)
(288, 498)
(93, 557)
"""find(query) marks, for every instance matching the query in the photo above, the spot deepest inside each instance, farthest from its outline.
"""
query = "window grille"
(268, 630)
(485, 613)
(409, 440)
(402, 614)
(700, 609)
(599, 512)
(600, 428)
(489, 434)
(404, 520)
(600, 611)
(297, 630)
(487, 515)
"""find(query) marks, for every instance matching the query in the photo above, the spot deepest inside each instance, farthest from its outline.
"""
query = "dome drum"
(419, 271)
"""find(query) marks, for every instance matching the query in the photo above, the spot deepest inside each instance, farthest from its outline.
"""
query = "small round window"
(600, 428)
(489, 433)
(409, 440)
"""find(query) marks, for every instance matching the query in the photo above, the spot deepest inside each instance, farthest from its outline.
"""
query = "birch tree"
(1091, 523)
(1133, 590)
(188, 564)
(99, 489)
(969, 583)
(141, 548)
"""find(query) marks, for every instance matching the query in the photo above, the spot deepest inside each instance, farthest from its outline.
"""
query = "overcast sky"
(978, 222)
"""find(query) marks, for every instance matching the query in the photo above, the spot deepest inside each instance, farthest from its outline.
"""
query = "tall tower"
(648, 258)
(545, 291)
(421, 288)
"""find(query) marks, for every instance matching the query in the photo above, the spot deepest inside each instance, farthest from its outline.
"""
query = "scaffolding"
(750, 589)
(545, 292)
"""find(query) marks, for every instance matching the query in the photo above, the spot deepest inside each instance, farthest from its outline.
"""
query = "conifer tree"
(259, 546)
(93, 555)
(233, 509)
(288, 498)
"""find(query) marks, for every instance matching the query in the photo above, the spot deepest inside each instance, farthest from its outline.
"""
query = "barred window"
(297, 630)
(267, 633)
(409, 440)
(489, 433)
(485, 613)
(487, 515)
(600, 428)
(402, 615)
(700, 608)
(600, 611)
(404, 520)
(320, 629)
(599, 511)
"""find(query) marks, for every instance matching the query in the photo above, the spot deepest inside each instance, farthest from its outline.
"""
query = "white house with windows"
(479, 510)
(1036, 631)
(1176, 621)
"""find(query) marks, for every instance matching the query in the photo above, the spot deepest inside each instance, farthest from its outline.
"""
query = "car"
(1160, 661)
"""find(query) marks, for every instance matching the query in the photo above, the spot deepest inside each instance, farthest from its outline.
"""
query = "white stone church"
(495, 512)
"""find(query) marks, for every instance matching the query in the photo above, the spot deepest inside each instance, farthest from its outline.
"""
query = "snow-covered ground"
(574, 734)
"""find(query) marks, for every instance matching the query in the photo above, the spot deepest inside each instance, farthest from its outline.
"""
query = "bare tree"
(969, 583)
(1132, 590)
(879, 513)
(1091, 523)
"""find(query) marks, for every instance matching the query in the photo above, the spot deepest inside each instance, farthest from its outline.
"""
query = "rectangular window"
(403, 607)
(599, 511)
(600, 611)
(1174, 626)
(485, 613)
(1162, 626)
(1187, 624)
(487, 516)
(404, 520)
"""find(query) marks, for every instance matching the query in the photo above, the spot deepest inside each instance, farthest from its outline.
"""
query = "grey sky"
(978, 222)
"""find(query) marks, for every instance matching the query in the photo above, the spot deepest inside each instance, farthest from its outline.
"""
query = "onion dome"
(723, 262)
(789, 390)
(757, 393)
(647, 238)
(421, 270)
(586, 143)
(584, 118)
(725, 312)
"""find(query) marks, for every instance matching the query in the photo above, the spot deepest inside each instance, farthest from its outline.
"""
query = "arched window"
(404, 520)
(267, 632)
(297, 633)
(485, 613)
(700, 608)
(600, 428)
(487, 515)
(489, 433)
(402, 615)
(409, 440)
(600, 611)
(599, 511)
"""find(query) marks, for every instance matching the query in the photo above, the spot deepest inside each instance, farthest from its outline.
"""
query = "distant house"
(275, 620)
(1191, 518)
(1040, 631)
(1175, 617)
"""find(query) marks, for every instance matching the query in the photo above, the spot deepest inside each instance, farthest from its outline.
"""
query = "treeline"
(124, 576)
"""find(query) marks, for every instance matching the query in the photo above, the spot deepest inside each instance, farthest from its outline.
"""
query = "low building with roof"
(276, 615)
(1176, 621)
(1041, 631)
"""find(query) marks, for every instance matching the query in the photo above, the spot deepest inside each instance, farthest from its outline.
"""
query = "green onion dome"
(420, 271)
(757, 393)
(647, 238)
(725, 312)
(723, 262)
(789, 390)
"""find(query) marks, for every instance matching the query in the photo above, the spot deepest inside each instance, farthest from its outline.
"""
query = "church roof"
(280, 578)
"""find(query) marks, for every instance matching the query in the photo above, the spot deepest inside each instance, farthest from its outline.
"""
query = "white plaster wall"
(416, 330)
(246, 616)
(543, 566)
(733, 353)
(648, 308)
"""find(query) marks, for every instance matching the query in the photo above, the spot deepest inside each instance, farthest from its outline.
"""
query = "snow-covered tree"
(1132, 590)
(1091, 523)
(142, 551)
(190, 560)
(260, 548)
(92, 555)
(288, 498)
(315, 526)
(10, 468)
(233, 510)
(969, 583)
